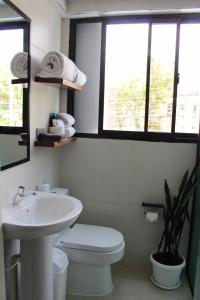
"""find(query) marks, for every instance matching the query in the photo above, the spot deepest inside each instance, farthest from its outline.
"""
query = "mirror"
(14, 85)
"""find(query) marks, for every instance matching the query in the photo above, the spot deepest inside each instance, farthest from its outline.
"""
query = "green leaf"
(176, 211)
(168, 199)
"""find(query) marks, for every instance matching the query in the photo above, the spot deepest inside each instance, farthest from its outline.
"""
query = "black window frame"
(25, 107)
(172, 136)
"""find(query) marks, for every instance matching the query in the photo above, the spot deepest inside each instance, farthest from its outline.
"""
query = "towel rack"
(58, 83)
(53, 144)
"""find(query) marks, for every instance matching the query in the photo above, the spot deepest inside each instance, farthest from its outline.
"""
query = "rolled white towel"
(56, 64)
(69, 131)
(80, 78)
(66, 118)
(19, 65)
(58, 123)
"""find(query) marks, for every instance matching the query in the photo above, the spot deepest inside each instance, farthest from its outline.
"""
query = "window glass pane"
(125, 77)
(11, 95)
(162, 77)
(188, 98)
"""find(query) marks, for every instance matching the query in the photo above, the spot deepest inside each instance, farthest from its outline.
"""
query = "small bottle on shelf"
(52, 117)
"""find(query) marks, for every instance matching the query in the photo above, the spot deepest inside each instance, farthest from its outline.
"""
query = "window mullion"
(176, 79)
(148, 79)
(102, 77)
(72, 56)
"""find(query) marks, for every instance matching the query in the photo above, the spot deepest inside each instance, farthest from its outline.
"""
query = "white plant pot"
(165, 276)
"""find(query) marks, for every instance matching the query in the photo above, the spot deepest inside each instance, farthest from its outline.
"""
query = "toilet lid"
(93, 238)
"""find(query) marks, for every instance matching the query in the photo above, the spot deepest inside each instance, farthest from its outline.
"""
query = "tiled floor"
(134, 284)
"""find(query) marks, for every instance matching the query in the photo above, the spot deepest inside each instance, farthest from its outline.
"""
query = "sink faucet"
(21, 190)
(21, 194)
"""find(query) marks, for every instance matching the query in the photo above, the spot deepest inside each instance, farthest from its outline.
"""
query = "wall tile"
(113, 177)
(77, 161)
(146, 175)
(111, 170)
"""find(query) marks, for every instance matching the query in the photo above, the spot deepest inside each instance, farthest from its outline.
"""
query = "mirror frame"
(26, 91)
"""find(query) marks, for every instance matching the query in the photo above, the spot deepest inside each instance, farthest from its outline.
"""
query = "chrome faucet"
(21, 190)
(21, 194)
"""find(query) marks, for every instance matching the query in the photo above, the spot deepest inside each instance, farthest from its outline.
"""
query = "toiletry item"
(49, 137)
(38, 131)
(151, 217)
(56, 130)
(51, 118)
(24, 136)
(45, 187)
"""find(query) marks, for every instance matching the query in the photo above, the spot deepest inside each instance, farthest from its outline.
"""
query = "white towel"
(66, 118)
(56, 64)
(69, 131)
(19, 65)
(80, 78)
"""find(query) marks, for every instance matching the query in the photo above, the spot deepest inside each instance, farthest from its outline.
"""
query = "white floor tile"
(134, 284)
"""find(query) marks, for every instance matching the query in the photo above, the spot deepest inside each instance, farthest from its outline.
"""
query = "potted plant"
(166, 261)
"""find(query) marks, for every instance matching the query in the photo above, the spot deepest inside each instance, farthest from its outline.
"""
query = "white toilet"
(91, 251)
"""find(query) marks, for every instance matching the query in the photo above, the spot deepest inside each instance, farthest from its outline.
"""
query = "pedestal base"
(37, 269)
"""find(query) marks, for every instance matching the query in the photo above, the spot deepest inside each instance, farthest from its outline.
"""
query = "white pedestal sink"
(33, 221)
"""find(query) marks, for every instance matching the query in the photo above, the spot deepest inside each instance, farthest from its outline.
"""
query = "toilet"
(91, 251)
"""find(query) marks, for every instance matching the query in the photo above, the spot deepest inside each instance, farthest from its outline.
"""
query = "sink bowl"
(39, 215)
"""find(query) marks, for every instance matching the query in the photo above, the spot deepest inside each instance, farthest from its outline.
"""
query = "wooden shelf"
(58, 82)
(53, 144)
(19, 80)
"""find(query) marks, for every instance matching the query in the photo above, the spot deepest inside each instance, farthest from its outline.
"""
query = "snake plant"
(176, 211)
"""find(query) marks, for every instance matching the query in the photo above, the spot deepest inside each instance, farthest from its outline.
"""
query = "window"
(144, 84)
(11, 100)
(12, 96)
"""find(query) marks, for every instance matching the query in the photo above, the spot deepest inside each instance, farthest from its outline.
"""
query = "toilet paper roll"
(151, 217)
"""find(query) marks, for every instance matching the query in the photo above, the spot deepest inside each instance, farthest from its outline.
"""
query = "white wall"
(45, 36)
(82, 6)
(43, 100)
(113, 177)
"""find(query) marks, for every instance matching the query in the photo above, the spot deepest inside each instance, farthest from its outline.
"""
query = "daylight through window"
(143, 77)
(125, 87)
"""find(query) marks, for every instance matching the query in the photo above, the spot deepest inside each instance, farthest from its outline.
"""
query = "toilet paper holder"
(153, 207)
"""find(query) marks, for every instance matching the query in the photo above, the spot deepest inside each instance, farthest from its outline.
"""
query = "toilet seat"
(92, 238)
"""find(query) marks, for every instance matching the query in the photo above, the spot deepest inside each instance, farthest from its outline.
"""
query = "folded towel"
(56, 64)
(66, 118)
(19, 65)
(69, 131)
(80, 78)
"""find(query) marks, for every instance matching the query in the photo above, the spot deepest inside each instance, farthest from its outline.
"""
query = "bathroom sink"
(39, 215)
